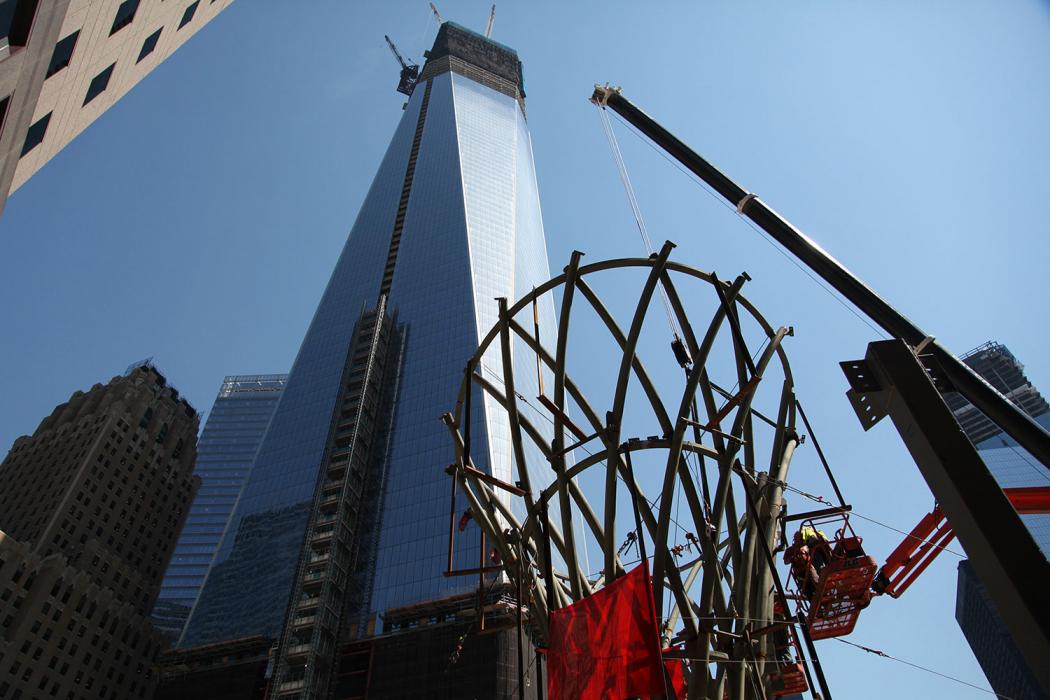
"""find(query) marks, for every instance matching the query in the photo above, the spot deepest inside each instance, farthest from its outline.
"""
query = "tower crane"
(440, 19)
(492, 20)
(409, 71)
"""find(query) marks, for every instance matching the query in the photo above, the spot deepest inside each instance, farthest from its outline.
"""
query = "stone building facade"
(91, 506)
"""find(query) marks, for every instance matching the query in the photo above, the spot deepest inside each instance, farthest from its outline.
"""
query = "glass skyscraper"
(450, 223)
(225, 453)
(1012, 466)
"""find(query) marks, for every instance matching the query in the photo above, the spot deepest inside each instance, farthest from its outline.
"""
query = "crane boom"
(1014, 421)
(397, 54)
(933, 533)
(440, 19)
(492, 20)
(409, 71)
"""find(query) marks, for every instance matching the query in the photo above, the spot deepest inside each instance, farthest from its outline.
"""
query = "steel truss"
(712, 442)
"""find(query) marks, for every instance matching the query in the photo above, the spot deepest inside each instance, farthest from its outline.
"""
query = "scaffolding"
(306, 659)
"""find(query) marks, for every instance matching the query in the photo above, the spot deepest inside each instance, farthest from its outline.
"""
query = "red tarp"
(606, 645)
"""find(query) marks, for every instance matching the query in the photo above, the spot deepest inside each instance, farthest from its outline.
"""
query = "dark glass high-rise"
(1012, 466)
(225, 453)
(451, 222)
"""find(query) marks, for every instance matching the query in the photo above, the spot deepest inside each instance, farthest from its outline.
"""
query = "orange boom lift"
(934, 533)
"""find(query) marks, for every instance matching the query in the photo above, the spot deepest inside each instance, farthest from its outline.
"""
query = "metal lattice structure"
(711, 525)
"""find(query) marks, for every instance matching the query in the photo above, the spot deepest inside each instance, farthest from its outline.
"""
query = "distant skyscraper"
(1009, 463)
(450, 223)
(1012, 466)
(90, 507)
(225, 453)
(65, 62)
(1000, 659)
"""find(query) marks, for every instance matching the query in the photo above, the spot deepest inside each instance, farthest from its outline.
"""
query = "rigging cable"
(884, 655)
(633, 200)
(824, 501)
(761, 235)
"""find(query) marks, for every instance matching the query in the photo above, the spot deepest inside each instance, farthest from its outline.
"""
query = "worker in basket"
(807, 555)
(782, 634)
(788, 676)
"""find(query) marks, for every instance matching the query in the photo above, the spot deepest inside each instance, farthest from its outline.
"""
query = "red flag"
(467, 516)
(606, 645)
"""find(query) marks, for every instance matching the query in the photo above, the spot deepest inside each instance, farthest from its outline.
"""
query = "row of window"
(63, 55)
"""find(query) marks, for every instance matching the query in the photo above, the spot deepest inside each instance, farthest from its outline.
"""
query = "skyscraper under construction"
(345, 518)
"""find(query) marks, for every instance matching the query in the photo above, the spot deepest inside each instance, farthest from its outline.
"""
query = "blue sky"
(198, 220)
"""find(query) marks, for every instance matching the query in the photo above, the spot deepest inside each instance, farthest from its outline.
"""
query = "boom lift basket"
(789, 678)
(832, 575)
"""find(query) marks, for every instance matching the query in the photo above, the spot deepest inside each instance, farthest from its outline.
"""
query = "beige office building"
(65, 62)
(91, 505)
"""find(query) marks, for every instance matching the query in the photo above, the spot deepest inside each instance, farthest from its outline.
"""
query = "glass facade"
(225, 452)
(489, 218)
(471, 232)
(1013, 467)
(1000, 659)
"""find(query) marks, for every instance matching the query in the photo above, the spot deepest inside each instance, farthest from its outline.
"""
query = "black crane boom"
(997, 407)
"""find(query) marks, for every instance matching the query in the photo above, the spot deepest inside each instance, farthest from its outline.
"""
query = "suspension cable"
(884, 655)
(633, 201)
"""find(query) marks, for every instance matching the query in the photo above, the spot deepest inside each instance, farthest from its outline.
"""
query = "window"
(149, 44)
(99, 83)
(16, 21)
(35, 135)
(188, 14)
(63, 53)
(125, 14)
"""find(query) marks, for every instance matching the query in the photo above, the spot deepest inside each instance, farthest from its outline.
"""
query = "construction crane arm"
(397, 54)
(492, 20)
(934, 533)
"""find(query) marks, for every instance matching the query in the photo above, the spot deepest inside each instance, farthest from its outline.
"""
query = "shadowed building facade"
(90, 509)
(348, 492)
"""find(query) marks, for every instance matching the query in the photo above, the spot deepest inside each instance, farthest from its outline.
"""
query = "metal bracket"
(744, 201)
(860, 377)
(864, 387)
(602, 93)
(936, 373)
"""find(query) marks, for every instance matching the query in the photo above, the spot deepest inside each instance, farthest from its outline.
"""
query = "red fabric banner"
(606, 645)
(677, 676)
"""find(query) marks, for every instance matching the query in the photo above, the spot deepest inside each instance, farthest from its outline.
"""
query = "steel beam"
(1003, 552)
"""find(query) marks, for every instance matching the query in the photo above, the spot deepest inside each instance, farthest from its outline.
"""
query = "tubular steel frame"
(722, 602)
